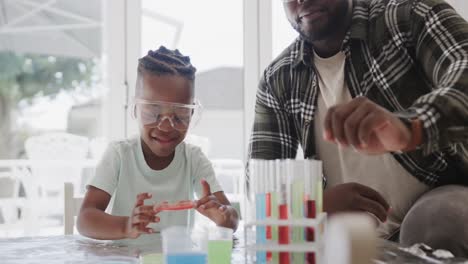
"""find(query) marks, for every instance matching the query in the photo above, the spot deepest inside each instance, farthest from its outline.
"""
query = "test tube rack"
(319, 224)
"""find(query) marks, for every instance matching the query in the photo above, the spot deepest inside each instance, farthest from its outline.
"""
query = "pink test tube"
(283, 231)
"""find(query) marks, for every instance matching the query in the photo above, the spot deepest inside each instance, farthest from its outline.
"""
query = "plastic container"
(182, 245)
(219, 245)
(152, 258)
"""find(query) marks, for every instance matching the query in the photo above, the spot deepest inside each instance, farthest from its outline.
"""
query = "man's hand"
(142, 215)
(365, 126)
(355, 197)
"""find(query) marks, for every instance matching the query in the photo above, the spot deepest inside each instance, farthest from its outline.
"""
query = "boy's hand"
(211, 207)
(141, 216)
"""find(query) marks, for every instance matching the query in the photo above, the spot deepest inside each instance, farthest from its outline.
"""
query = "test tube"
(260, 208)
(296, 177)
(283, 208)
(268, 192)
(274, 180)
(319, 200)
(310, 190)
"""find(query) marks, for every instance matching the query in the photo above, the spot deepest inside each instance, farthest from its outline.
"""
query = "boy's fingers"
(156, 219)
(139, 219)
(140, 199)
(145, 230)
(145, 209)
(142, 226)
(206, 187)
(148, 231)
(209, 205)
(143, 196)
(157, 209)
(205, 200)
(157, 206)
(141, 222)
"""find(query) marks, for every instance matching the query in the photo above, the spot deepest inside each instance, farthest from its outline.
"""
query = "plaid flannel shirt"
(408, 56)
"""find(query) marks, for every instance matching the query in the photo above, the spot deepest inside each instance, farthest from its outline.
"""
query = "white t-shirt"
(123, 173)
(342, 165)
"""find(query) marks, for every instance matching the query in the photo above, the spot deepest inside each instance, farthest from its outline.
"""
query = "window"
(282, 33)
(51, 91)
(214, 42)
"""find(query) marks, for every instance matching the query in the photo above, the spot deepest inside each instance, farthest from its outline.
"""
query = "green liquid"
(274, 229)
(219, 251)
(154, 258)
(319, 199)
(298, 213)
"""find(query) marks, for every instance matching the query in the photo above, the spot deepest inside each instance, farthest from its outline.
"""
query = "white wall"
(461, 6)
(220, 127)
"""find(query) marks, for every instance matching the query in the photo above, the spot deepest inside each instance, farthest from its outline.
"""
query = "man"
(377, 90)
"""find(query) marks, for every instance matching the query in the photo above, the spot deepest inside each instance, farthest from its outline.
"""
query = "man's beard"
(315, 35)
(328, 30)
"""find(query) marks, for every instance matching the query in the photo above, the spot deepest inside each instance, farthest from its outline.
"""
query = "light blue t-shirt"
(123, 173)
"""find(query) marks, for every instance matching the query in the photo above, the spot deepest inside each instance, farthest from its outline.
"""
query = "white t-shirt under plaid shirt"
(123, 173)
(343, 165)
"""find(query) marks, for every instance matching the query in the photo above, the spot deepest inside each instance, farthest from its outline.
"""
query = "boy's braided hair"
(166, 62)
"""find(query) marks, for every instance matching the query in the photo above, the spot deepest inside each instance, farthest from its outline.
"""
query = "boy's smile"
(165, 142)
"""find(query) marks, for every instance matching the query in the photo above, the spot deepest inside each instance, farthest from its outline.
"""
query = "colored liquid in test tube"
(283, 231)
(260, 206)
(310, 190)
(274, 180)
(268, 183)
(296, 171)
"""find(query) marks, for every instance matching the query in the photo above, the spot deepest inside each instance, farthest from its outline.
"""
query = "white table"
(75, 249)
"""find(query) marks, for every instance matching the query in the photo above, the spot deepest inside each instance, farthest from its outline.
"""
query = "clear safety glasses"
(154, 113)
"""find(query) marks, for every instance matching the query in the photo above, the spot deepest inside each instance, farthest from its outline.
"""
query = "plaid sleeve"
(274, 135)
(441, 39)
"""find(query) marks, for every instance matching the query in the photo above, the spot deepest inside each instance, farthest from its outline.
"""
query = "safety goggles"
(154, 113)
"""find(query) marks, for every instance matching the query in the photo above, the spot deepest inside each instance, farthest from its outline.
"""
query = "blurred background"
(67, 75)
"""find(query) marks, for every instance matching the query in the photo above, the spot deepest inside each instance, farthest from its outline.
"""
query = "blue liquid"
(186, 258)
(260, 203)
